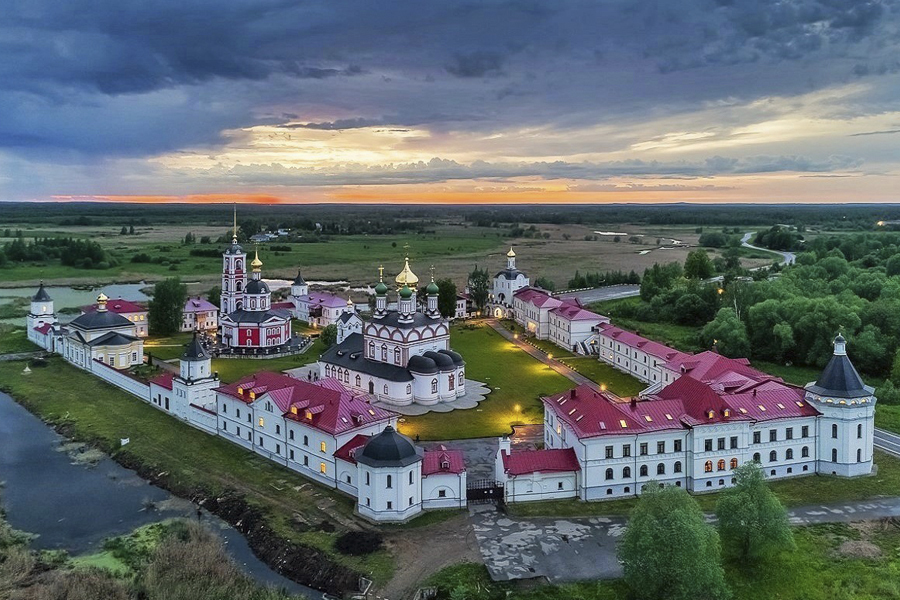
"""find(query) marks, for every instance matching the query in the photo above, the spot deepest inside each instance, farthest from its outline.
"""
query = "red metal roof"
(43, 329)
(118, 306)
(537, 297)
(348, 450)
(573, 312)
(164, 380)
(591, 413)
(320, 406)
(443, 460)
(540, 461)
(637, 342)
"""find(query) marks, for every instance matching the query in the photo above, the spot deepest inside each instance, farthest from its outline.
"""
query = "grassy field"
(15, 339)
(800, 491)
(232, 369)
(101, 414)
(821, 568)
(167, 347)
(516, 380)
(680, 337)
(617, 382)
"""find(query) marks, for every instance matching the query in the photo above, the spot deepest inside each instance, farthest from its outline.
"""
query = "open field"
(517, 382)
(232, 369)
(800, 491)
(821, 567)
(98, 413)
(15, 339)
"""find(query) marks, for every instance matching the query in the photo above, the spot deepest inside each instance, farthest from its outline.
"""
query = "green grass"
(167, 347)
(516, 379)
(681, 337)
(15, 308)
(15, 339)
(800, 491)
(815, 570)
(888, 417)
(232, 369)
(617, 382)
(98, 413)
(548, 347)
(792, 374)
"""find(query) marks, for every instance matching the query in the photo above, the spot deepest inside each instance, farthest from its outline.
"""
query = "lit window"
(648, 419)
(262, 422)
(668, 417)
(323, 468)
(322, 447)
(623, 424)
(293, 410)
(762, 408)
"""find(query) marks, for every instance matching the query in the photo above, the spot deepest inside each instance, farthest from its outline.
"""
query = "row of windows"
(389, 483)
(643, 448)
(660, 470)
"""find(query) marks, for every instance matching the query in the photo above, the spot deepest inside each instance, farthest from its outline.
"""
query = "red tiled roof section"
(443, 460)
(330, 410)
(573, 312)
(43, 329)
(537, 297)
(540, 461)
(700, 402)
(164, 380)
(590, 413)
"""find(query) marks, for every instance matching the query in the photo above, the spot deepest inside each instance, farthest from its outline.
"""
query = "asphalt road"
(787, 258)
(887, 441)
(600, 294)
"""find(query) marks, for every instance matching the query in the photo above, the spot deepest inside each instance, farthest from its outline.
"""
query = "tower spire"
(234, 226)
(380, 273)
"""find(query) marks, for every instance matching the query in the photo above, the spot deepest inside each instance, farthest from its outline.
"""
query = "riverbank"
(290, 523)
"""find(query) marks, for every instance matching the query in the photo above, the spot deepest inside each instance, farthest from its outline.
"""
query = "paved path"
(787, 258)
(23, 355)
(553, 364)
(585, 548)
(608, 292)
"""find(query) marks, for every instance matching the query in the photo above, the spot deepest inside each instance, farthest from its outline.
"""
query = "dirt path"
(420, 552)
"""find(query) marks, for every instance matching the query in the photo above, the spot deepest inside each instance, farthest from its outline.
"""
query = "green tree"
(167, 306)
(214, 295)
(446, 297)
(892, 265)
(123, 231)
(189, 238)
(131, 230)
(727, 333)
(329, 335)
(698, 266)
(753, 524)
(659, 278)
(545, 283)
(478, 287)
(668, 551)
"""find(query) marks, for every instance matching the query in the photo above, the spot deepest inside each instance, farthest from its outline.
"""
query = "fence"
(121, 380)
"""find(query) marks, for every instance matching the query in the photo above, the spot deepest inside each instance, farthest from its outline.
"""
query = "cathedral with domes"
(247, 317)
(403, 355)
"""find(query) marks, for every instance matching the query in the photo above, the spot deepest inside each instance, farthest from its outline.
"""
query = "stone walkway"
(23, 355)
(557, 366)
(585, 548)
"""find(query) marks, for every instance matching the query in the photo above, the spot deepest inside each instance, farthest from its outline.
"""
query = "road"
(887, 441)
(788, 258)
(610, 292)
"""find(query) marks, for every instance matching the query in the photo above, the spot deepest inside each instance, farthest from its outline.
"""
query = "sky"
(477, 101)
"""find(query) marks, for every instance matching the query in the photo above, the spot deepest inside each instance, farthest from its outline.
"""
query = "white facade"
(506, 283)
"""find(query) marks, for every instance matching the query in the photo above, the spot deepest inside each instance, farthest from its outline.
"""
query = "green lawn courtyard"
(517, 382)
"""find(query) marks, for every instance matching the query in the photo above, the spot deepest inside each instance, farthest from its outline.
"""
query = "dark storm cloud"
(111, 78)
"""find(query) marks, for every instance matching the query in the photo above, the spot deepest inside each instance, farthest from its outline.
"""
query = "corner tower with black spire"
(846, 424)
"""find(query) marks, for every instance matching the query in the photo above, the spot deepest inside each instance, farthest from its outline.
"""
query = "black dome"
(42, 295)
(442, 360)
(455, 356)
(100, 319)
(194, 350)
(421, 364)
(299, 279)
(256, 286)
(388, 449)
(235, 248)
(840, 380)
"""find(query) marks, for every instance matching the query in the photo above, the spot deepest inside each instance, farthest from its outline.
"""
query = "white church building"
(717, 414)
(402, 356)
(506, 283)
(318, 308)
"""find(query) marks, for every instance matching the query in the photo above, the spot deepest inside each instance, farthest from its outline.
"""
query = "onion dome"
(381, 289)
(406, 292)
(422, 364)
(388, 449)
(444, 362)
(234, 248)
(454, 356)
(299, 279)
(256, 264)
(406, 276)
(511, 253)
(42, 295)
(432, 288)
(102, 299)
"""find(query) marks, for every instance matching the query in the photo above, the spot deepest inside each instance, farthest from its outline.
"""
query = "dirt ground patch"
(422, 551)
(859, 549)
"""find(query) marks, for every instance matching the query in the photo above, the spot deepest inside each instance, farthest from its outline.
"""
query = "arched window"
(834, 430)
(408, 388)
(643, 470)
(609, 474)
(707, 468)
(238, 265)
(225, 286)
(677, 468)
(306, 440)
(239, 305)
(804, 452)
(661, 469)
(372, 349)
(461, 377)
(389, 482)
(626, 472)
(384, 352)
(396, 356)
(434, 386)
(385, 389)
(834, 455)
(859, 432)
(773, 456)
(452, 381)
(411, 477)
(358, 381)
(756, 457)
(789, 454)
(237, 286)
(721, 464)
(734, 463)
(858, 455)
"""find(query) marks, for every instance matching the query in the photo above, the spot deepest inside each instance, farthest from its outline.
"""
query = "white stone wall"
(444, 490)
(390, 493)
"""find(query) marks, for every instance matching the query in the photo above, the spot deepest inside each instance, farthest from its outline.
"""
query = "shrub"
(359, 543)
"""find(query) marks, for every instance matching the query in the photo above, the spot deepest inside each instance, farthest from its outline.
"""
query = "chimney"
(633, 403)
(572, 393)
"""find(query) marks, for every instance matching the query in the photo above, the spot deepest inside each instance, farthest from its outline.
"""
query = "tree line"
(71, 252)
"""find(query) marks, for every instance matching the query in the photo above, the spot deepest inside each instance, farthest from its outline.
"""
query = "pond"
(68, 297)
(73, 506)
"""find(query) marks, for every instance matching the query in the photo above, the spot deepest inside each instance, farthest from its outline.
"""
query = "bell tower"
(234, 274)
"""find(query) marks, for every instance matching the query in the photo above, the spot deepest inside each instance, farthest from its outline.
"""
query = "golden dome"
(256, 264)
(406, 276)
(511, 253)
(102, 298)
